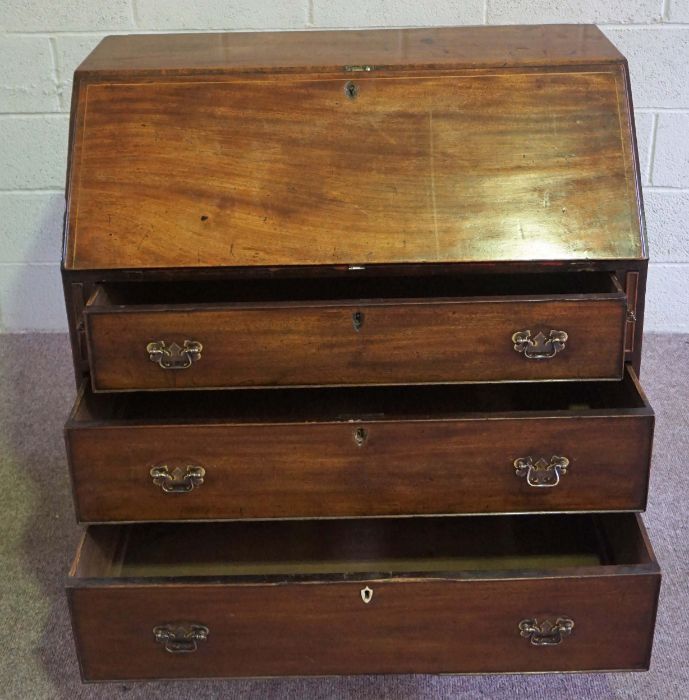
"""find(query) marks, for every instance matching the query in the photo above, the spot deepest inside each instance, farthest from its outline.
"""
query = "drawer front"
(300, 344)
(357, 469)
(406, 627)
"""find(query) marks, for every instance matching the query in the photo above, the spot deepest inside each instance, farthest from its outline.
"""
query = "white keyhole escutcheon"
(366, 594)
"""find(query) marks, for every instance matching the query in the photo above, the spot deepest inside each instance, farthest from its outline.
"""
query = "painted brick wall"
(42, 41)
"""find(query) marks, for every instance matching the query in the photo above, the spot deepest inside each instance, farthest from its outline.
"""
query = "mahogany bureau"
(317, 278)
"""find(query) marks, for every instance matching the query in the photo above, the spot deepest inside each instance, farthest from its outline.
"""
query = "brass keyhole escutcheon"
(366, 595)
(351, 90)
(360, 436)
(358, 320)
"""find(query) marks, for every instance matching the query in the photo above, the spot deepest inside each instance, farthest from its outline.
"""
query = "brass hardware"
(181, 637)
(358, 320)
(178, 481)
(542, 473)
(631, 316)
(173, 356)
(539, 347)
(546, 633)
(358, 69)
(351, 90)
(366, 595)
(360, 436)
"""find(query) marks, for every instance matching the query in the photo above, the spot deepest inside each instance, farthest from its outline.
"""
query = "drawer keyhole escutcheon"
(546, 633)
(360, 436)
(541, 474)
(366, 595)
(180, 637)
(358, 320)
(351, 90)
(539, 347)
(177, 481)
(174, 356)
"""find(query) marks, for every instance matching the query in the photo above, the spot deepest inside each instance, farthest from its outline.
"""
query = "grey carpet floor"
(39, 536)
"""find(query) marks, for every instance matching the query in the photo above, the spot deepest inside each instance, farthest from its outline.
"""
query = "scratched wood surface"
(308, 170)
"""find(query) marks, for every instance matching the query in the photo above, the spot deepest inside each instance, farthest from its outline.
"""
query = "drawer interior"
(361, 403)
(358, 288)
(383, 547)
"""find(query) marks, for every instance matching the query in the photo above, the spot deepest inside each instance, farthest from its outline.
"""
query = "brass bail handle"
(180, 637)
(546, 633)
(541, 473)
(539, 346)
(177, 480)
(174, 356)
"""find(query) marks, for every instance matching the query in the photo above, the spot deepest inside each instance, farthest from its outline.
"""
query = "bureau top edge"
(474, 144)
(351, 50)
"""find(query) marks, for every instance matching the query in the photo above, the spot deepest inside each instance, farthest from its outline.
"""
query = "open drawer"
(355, 452)
(362, 331)
(431, 595)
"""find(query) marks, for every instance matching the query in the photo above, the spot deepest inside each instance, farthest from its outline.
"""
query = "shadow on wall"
(31, 294)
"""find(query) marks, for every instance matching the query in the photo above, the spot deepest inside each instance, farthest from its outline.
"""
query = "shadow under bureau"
(329, 292)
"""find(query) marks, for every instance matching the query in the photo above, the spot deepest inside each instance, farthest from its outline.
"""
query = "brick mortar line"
(57, 70)
(173, 30)
(662, 110)
(46, 330)
(652, 149)
(138, 29)
(36, 190)
(665, 10)
(665, 189)
(644, 25)
(22, 115)
(134, 12)
(30, 264)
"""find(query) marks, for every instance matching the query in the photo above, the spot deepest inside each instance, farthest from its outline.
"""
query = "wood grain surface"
(468, 47)
(355, 169)
(316, 343)
(359, 466)
(431, 621)
(409, 627)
